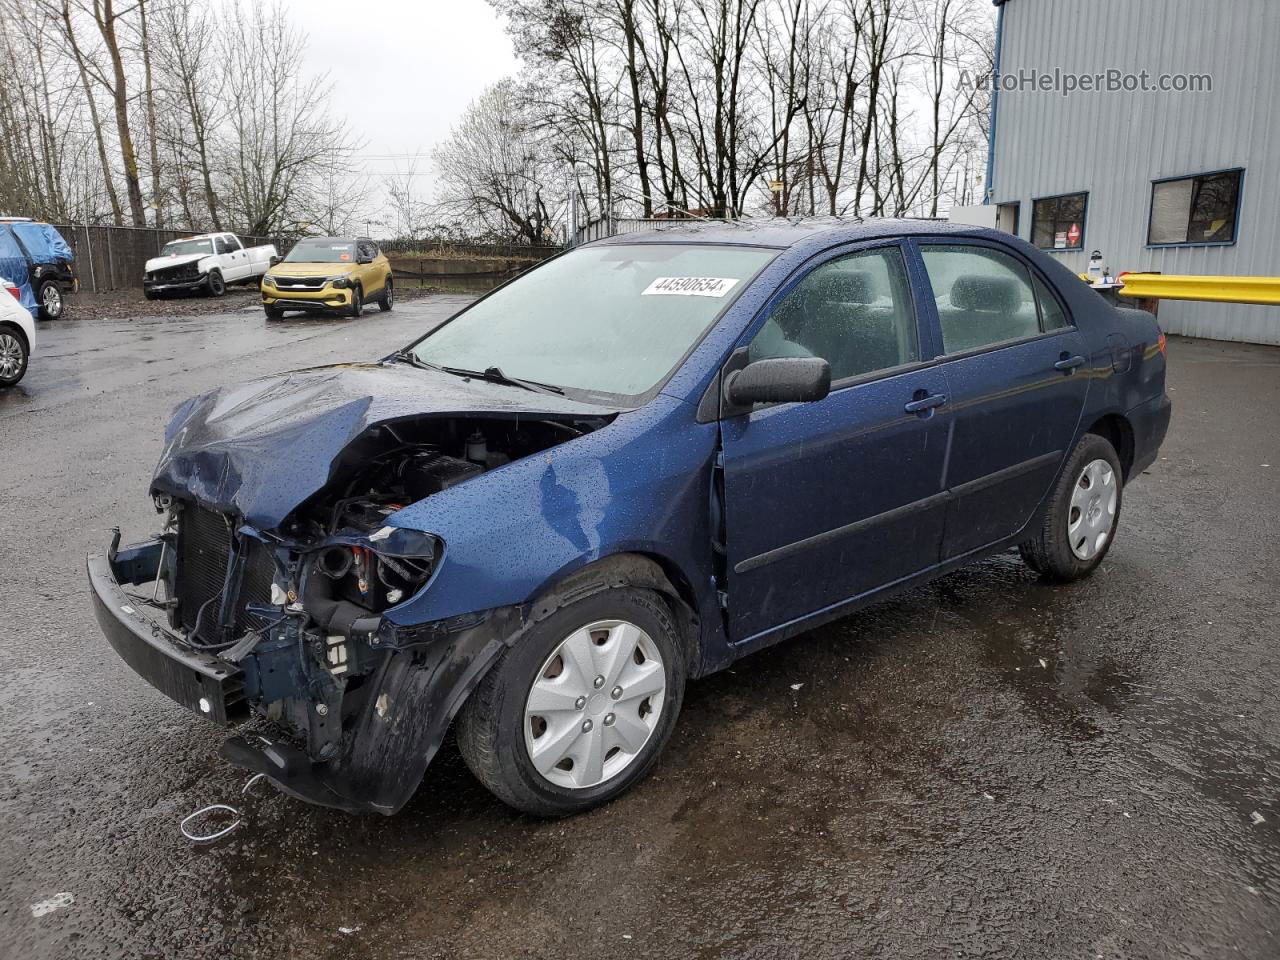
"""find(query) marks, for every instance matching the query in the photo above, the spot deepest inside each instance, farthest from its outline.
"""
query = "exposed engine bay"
(298, 609)
(393, 466)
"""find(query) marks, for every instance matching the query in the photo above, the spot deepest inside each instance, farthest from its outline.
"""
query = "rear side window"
(1052, 316)
(983, 296)
(854, 312)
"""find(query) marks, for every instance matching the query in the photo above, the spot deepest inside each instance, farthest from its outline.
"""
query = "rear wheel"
(581, 705)
(151, 294)
(13, 357)
(1084, 511)
(357, 303)
(49, 296)
(215, 284)
(388, 297)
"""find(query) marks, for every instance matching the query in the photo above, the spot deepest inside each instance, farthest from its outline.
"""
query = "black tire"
(52, 303)
(15, 354)
(1050, 551)
(214, 284)
(357, 303)
(273, 313)
(150, 295)
(388, 299)
(491, 726)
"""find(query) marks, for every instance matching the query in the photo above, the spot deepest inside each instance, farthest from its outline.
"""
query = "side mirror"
(274, 260)
(779, 380)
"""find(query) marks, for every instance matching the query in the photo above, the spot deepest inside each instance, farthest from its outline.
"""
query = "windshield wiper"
(490, 374)
(411, 358)
(495, 375)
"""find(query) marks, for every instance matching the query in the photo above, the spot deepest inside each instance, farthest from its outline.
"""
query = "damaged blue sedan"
(626, 469)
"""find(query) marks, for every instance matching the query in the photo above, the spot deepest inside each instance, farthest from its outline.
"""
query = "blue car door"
(828, 501)
(1017, 372)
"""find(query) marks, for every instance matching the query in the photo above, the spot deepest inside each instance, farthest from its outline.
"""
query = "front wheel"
(50, 299)
(581, 705)
(13, 357)
(215, 284)
(357, 303)
(1084, 511)
(388, 297)
(273, 313)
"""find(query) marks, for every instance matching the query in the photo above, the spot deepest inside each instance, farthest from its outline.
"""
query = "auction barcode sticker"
(690, 286)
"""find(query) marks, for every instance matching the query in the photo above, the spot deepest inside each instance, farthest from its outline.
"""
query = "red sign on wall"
(1073, 235)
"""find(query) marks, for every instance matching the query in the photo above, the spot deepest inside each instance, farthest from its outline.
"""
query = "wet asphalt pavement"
(986, 767)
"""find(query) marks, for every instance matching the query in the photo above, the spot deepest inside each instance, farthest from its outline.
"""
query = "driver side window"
(855, 312)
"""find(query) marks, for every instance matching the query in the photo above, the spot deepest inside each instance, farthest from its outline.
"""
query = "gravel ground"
(986, 767)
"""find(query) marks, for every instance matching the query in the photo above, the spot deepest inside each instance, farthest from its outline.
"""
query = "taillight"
(1161, 342)
(14, 291)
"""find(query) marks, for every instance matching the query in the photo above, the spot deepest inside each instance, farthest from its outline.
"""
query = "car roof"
(783, 233)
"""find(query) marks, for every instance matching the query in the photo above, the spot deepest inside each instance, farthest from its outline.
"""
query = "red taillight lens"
(1161, 343)
(14, 292)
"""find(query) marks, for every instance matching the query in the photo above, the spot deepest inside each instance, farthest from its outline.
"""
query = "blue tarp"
(42, 242)
(14, 268)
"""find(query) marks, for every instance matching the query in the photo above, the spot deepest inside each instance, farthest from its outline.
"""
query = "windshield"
(610, 319)
(180, 248)
(322, 251)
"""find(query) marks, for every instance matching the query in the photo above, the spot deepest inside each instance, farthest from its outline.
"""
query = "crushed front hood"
(260, 448)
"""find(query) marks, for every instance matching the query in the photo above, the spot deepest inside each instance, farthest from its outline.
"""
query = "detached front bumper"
(200, 682)
(389, 731)
(174, 286)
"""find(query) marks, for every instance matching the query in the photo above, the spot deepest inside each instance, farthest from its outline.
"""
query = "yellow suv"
(331, 274)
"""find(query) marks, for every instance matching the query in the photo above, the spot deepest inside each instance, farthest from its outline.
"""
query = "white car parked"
(17, 334)
(208, 262)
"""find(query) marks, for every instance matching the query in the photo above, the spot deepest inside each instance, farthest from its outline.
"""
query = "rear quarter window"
(983, 296)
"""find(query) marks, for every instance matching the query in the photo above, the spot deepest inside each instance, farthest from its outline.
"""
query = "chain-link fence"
(114, 258)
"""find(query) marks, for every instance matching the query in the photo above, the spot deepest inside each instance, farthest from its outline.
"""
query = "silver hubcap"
(595, 703)
(1093, 509)
(52, 299)
(10, 356)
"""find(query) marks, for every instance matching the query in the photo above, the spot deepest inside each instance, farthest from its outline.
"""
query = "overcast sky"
(403, 70)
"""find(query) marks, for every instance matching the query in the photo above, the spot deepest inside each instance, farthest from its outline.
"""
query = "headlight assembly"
(339, 282)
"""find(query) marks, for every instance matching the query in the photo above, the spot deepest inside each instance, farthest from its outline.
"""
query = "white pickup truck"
(207, 263)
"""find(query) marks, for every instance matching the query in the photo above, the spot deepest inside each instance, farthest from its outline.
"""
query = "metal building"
(1148, 130)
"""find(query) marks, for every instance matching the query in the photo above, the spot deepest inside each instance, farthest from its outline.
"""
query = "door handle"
(925, 402)
(1069, 364)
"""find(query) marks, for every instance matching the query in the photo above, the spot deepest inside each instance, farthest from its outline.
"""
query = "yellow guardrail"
(1168, 286)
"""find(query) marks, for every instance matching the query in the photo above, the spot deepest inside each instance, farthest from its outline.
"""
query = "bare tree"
(281, 134)
(493, 169)
(194, 84)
